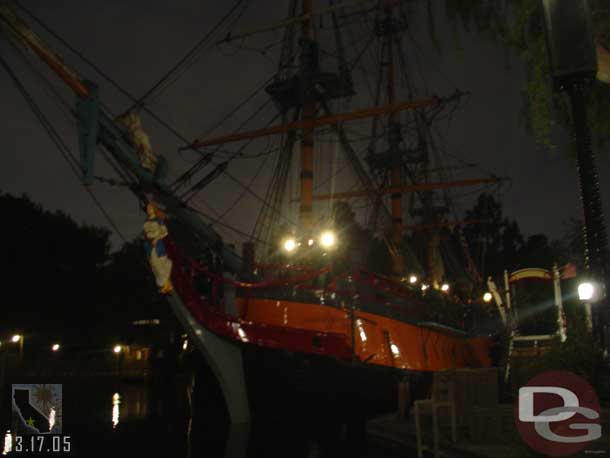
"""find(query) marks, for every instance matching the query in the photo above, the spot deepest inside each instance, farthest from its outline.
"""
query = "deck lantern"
(289, 245)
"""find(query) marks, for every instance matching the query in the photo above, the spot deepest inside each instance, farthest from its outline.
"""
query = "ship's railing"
(359, 290)
(209, 310)
(356, 290)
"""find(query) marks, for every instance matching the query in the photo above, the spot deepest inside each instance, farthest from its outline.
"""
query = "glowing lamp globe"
(327, 239)
(586, 291)
(290, 245)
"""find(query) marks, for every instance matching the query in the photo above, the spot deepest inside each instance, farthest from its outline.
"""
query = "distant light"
(444, 287)
(424, 287)
(16, 338)
(117, 349)
(487, 297)
(327, 239)
(586, 291)
(310, 242)
(290, 245)
(153, 322)
(412, 279)
(185, 344)
(55, 347)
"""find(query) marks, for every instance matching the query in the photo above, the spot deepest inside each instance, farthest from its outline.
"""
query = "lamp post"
(594, 229)
(573, 62)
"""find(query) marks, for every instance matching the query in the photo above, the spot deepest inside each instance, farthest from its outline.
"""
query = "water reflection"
(116, 401)
(298, 438)
(198, 430)
(237, 442)
(8, 443)
(52, 414)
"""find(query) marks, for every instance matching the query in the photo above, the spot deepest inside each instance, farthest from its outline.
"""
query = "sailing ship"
(301, 318)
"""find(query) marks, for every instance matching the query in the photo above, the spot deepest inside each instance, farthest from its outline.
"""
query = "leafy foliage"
(517, 25)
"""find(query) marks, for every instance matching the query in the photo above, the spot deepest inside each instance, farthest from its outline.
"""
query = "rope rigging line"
(231, 207)
(220, 168)
(70, 114)
(187, 60)
(245, 235)
(63, 149)
(182, 179)
(193, 60)
(127, 94)
(185, 178)
(275, 193)
(256, 91)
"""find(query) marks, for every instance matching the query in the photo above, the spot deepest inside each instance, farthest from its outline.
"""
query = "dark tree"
(495, 241)
(61, 281)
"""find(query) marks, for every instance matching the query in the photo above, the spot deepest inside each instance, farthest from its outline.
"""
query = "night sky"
(136, 42)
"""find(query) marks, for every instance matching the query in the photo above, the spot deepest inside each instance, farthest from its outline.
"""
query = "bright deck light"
(16, 338)
(185, 344)
(310, 242)
(395, 349)
(412, 279)
(55, 347)
(327, 239)
(445, 288)
(290, 245)
(424, 287)
(487, 297)
(117, 349)
(586, 291)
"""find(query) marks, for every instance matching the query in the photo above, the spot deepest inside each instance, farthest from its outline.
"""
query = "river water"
(119, 418)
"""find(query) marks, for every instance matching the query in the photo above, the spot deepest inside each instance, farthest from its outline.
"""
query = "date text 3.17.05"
(42, 443)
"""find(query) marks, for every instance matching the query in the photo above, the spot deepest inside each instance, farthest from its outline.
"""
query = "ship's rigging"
(408, 159)
(407, 135)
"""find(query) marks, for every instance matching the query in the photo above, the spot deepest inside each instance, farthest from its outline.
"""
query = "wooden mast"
(396, 170)
(315, 122)
(307, 142)
(428, 186)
